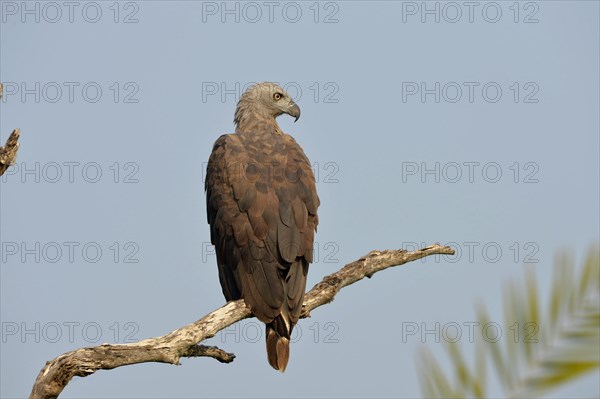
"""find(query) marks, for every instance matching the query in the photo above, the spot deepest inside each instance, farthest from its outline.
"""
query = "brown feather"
(278, 347)
(261, 203)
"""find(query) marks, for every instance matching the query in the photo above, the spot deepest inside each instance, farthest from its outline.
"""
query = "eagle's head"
(265, 100)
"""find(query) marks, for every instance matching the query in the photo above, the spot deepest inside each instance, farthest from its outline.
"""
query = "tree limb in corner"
(184, 342)
(8, 153)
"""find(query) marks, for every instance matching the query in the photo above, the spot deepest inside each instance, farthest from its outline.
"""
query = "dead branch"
(184, 342)
(8, 153)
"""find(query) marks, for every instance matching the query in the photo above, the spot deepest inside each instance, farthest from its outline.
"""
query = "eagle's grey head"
(265, 100)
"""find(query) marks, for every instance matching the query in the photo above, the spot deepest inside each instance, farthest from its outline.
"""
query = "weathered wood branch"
(184, 342)
(8, 153)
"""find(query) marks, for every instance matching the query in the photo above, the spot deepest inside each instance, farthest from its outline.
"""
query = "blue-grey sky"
(474, 124)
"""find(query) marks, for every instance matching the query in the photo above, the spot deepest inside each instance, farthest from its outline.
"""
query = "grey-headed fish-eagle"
(261, 202)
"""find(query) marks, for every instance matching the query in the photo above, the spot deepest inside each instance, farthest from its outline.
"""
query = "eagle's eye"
(277, 96)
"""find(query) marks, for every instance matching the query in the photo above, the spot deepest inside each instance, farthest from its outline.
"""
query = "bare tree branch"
(8, 153)
(184, 342)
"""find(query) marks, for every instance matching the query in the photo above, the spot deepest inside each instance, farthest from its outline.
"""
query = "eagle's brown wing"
(262, 208)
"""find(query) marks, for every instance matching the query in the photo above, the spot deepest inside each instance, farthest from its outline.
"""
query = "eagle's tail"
(278, 343)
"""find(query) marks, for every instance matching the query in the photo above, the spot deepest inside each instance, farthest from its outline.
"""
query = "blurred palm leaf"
(543, 353)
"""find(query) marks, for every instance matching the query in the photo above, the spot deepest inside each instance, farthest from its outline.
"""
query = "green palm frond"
(543, 352)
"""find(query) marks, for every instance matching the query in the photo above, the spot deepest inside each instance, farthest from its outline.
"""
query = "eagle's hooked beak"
(294, 110)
